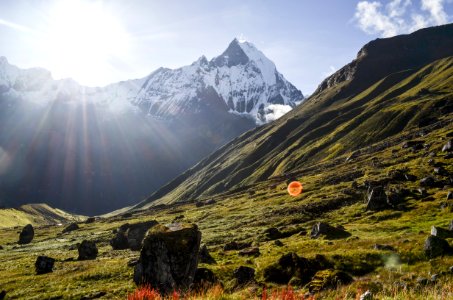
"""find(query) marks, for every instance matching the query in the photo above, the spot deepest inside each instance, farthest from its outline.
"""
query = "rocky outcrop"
(26, 235)
(169, 257)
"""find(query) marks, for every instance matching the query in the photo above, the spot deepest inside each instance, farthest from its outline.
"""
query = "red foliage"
(145, 293)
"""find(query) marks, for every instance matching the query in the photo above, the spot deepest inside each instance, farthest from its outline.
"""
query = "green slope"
(383, 92)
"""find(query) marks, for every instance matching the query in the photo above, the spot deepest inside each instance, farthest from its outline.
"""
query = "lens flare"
(295, 188)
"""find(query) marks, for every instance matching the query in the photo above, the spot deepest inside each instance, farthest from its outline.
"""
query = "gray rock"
(236, 245)
(44, 264)
(447, 147)
(254, 251)
(384, 247)
(26, 235)
(428, 182)
(70, 227)
(87, 250)
(377, 199)
(436, 246)
(169, 257)
(204, 256)
(450, 227)
(244, 275)
(366, 296)
(119, 241)
(136, 232)
(422, 281)
(328, 231)
(90, 220)
(441, 232)
(449, 195)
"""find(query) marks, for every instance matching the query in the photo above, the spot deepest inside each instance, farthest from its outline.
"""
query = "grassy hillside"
(35, 214)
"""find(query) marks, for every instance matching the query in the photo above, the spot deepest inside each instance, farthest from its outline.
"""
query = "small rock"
(441, 232)
(366, 296)
(1, 247)
(327, 279)
(204, 256)
(450, 227)
(44, 264)
(70, 227)
(204, 278)
(255, 251)
(328, 231)
(435, 246)
(450, 269)
(422, 192)
(210, 202)
(132, 262)
(244, 275)
(434, 278)
(272, 233)
(278, 243)
(377, 199)
(2, 295)
(439, 171)
(384, 247)
(449, 195)
(422, 281)
(428, 181)
(119, 241)
(87, 250)
(236, 246)
(90, 220)
(26, 235)
(447, 147)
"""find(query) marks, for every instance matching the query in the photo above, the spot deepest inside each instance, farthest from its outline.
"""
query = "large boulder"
(87, 250)
(44, 264)
(70, 227)
(131, 235)
(436, 246)
(26, 235)
(377, 199)
(169, 257)
(328, 231)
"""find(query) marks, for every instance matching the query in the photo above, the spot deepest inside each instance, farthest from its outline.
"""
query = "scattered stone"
(415, 145)
(132, 262)
(204, 256)
(203, 279)
(255, 251)
(328, 279)
(328, 231)
(90, 220)
(44, 265)
(449, 195)
(2, 295)
(236, 246)
(244, 275)
(70, 227)
(428, 182)
(26, 235)
(119, 241)
(290, 266)
(169, 257)
(377, 199)
(436, 246)
(278, 243)
(422, 281)
(366, 296)
(384, 247)
(272, 233)
(441, 232)
(440, 171)
(434, 278)
(87, 250)
(447, 147)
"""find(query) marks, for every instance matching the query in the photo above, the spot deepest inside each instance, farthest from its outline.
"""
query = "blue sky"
(100, 42)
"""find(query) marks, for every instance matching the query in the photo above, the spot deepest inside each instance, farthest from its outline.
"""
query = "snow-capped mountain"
(242, 76)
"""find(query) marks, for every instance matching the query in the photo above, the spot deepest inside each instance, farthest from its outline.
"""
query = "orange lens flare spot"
(295, 188)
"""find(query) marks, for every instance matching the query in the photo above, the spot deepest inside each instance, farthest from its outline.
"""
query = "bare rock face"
(26, 235)
(169, 257)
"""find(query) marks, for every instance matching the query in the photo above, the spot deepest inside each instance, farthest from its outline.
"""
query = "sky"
(101, 42)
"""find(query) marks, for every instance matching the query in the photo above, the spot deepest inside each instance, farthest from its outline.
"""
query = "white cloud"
(275, 111)
(399, 16)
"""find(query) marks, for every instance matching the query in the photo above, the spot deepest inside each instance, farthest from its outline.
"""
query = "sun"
(83, 39)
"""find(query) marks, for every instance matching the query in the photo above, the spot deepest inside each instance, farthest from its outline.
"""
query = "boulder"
(204, 256)
(377, 199)
(136, 232)
(278, 243)
(290, 266)
(441, 232)
(328, 279)
(436, 246)
(447, 147)
(44, 265)
(254, 251)
(449, 195)
(384, 247)
(87, 250)
(90, 220)
(26, 235)
(2, 295)
(169, 257)
(236, 245)
(244, 275)
(70, 227)
(203, 279)
(119, 241)
(414, 145)
(272, 233)
(328, 231)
